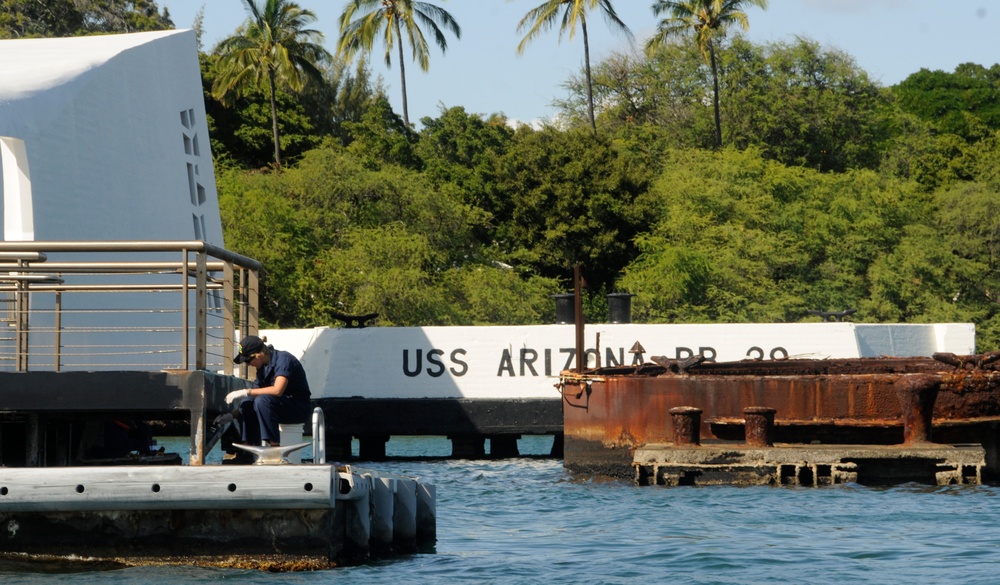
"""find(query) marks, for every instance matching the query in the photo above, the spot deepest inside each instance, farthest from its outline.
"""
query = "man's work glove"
(236, 396)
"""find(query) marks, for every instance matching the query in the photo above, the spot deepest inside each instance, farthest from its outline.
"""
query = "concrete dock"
(808, 465)
(273, 517)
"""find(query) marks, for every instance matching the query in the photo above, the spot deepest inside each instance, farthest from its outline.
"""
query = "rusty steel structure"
(610, 413)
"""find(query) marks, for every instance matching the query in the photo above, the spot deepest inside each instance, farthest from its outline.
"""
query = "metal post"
(917, 394)
(201, 312)
(184, 309)
(319, 436)
(759, 424)
(581, 363)
(35, 439)
(57, 342)
(228, 317)
(21, 307)
(687, 426)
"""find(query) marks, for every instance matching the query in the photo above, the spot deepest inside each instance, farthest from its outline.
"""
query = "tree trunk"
(402, 73)
(274, 121)
(715, 96)
(590, 83)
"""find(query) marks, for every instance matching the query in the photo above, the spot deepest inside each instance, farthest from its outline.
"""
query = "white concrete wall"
(524, 362)
(111, 126)
(105, 138)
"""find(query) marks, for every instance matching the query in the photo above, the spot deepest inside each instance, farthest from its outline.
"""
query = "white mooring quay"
(267, 516)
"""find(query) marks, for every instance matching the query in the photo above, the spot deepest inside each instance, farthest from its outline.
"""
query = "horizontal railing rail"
(124, 305)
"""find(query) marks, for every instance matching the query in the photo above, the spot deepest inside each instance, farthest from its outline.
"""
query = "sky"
(482, 71)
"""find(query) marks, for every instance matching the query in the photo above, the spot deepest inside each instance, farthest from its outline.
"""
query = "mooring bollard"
(917, 394)
(687, 426)
(759, 425)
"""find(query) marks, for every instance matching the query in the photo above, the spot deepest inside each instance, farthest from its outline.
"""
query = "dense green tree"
(659, 92)
(122, 16)
(382, 138)
(240, 132)
(739, 238)
(273, 46)
(339, 237)
(363, 21)
(804, 105)
(796, 102)
(542, 17)
(965, 103)
(466, 150)
(262, 221)
(65, 18)
(30, 18)
(343, 97)
(707, 19)
(571, 201)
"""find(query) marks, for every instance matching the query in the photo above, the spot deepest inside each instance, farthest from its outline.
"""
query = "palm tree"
(389, 19)
(706, 19)
(541, 18)
(272, 46)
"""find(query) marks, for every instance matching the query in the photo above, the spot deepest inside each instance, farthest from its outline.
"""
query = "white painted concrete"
(113, 130)
(525, 361)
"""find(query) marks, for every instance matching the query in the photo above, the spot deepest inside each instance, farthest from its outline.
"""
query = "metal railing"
(126, 305)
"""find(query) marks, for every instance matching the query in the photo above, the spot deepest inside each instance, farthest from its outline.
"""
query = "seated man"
(280, 395)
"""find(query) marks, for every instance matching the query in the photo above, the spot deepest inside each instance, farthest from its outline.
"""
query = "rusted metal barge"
(793, 421)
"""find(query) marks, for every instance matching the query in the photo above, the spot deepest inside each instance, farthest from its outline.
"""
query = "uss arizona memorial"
(105, 139)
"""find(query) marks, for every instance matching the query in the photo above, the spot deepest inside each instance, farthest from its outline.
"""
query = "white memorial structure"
(105, 138)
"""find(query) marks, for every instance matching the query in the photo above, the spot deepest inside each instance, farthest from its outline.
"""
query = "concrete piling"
(426, 512)
(382, 512)
(404, 516)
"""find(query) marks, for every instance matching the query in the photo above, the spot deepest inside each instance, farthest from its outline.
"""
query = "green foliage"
(804, 106)
(660, 92)
(570, 201)
(352, 239)
(798, 104)
(541, 18)
(466, 151)
(965, 103)
(342, 98)
(382, 138)
(241, 134)
(66, 18)
(272, 49)
(738, 238)
(707, 20)
(364, 21)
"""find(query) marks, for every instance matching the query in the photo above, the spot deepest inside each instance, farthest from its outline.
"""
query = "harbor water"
(526, 520)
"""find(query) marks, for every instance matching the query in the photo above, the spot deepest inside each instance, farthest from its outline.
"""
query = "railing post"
(201, 312)
(21, 307)
(228, 317)
(57, 338)
(185, 329)
(253, 290)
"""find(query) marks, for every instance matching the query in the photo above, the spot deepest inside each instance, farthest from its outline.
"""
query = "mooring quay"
(140, 331)
(800, 422)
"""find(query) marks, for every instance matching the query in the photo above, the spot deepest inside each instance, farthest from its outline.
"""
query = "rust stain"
(627, 407)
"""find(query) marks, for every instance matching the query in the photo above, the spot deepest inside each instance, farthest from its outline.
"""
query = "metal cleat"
(272, 455)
